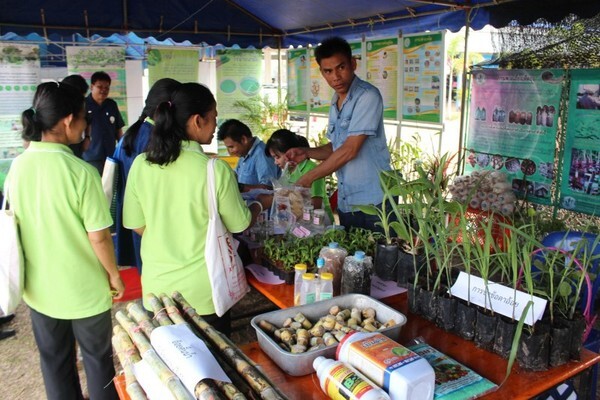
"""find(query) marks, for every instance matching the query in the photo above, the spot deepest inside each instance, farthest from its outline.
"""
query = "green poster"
(580, 188)
(356, 48)
(382, 72)
(86, 60)
(19, 77)
(512, 127)
(320, 92)
(178, 64)
(239, 79)
(297, 67)
(423, 56)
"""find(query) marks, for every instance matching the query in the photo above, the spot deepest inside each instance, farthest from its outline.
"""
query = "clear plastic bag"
(288, 202)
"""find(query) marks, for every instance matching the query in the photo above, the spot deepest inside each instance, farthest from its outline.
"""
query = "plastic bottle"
(401, 372)
(356, 274)
(307, 290)
(299, 270)
(325, 286)
(307, 214)
(318, 220)
(320, 264)
(339, 381)
(334, 262)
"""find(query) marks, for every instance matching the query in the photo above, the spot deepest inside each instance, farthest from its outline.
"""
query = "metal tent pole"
(463, 97)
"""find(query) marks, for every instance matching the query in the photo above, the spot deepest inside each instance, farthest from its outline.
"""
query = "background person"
(105, 120)
(357, 150)
(278, 144)
(254, 169)
(70, 267)
(79, 82)
(133, 143)
(173, 221)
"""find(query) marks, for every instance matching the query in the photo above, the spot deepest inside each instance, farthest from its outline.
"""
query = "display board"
(297, 70)
(423, 77)
(580, 181)
(512, 127)
(175, 63)
(320, 93)
(19, 77)
(382, 72)
(85, 60)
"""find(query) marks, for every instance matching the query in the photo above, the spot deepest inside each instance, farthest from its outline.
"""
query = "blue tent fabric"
(272, 23)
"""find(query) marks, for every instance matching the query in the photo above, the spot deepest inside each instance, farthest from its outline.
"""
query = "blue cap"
(333, 245)
(320, 262)
(359, 255)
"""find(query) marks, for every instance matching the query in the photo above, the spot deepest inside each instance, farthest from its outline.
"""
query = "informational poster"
(176, 63)
(239, 73)
(422, 86)
(356, 48)
(382, 72)
(297, 73)
(512, 127)
(320, 93)
(19, 77)
(580, 187)
(85, 60)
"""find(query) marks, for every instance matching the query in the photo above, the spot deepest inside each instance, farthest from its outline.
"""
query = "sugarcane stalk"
(172, 309)
(128, 355)
(139, 315)
(257, 381)
(170, 380)
(160, 313)
(205, 389)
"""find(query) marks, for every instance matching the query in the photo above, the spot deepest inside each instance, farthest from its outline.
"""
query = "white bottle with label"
(325, 286)
(307, 290)
(339, 381)
(401, 372)
(299, 269)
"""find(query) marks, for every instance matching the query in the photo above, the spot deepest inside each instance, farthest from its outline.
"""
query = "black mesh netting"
(571, 43)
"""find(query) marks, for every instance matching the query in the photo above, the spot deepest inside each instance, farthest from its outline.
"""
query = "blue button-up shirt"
(361, 114)
(255, 167)
(106, 121)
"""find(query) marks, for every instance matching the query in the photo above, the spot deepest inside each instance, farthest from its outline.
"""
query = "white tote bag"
(109, 179)
(225, 268)
(12, 268)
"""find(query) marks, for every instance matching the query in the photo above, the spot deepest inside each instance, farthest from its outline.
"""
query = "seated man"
(254, 169)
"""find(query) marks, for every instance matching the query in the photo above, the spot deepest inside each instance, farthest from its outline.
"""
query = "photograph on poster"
(584, 173)
(588, 97)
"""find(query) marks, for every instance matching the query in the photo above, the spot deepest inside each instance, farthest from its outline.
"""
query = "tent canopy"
(273, 23)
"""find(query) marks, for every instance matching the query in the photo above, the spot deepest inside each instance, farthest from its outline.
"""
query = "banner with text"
(580, 187)
(382, 72)
(178, 64)
(298, 68)
(86, 60)
(320, 93)
(423, 77)
(512, 127)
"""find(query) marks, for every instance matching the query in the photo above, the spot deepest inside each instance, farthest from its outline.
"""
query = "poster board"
(176, 63)
(382, 72)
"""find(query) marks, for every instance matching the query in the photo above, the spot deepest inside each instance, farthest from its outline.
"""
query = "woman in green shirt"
(70, 267)
(166, 200)
(281, 141)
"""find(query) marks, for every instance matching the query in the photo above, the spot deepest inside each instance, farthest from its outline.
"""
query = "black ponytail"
(171, 117)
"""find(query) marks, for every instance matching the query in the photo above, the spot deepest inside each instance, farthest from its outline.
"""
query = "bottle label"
(325, 295)
(306, 216)
(310, 298)
(343, 384)
(377, 356)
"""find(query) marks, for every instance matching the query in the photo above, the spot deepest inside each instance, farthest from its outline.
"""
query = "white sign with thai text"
(186, 355)
(499, 298)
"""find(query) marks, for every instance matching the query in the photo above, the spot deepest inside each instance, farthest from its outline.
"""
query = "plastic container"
(325, 286)
(400, 371)
(299, 270)
(307, 290)
(334, 257)
(318, 220)
(307, 214)
(339, 381)
(356, 274)
(320, 264)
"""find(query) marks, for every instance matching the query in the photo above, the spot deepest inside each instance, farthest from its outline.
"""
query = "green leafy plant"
(262, 116)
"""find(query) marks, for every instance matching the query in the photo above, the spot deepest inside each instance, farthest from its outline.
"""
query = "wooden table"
(520, 384)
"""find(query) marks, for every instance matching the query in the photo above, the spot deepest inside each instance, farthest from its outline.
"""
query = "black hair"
(100, 76)
(282, 140)
(161, 91)
(51, 103)
(78, 82)
(234, 129)
(332, 46)
(170, 120)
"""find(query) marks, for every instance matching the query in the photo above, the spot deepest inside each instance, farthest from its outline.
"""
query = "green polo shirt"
(317, 188)
(171, 202)
(58, 199)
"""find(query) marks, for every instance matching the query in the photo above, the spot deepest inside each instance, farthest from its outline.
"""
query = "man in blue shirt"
(105, 120)
(254, 169)
(357, 150)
